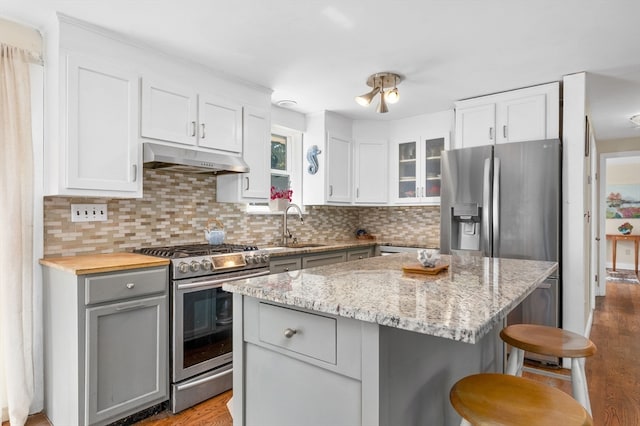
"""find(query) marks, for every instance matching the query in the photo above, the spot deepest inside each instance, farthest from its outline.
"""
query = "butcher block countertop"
(109, 262)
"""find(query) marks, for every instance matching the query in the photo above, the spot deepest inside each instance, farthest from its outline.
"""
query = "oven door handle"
(219, 282)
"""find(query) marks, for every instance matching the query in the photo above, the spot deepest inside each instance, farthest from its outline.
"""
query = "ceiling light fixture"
(286, 103)
(378, 82)
(635, 119)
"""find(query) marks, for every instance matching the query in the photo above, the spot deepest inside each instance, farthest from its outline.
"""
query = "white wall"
(576, 301)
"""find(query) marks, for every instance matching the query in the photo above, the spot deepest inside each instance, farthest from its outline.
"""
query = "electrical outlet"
(88, 212)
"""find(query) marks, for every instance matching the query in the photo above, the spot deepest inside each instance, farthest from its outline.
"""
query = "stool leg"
(579, 383)
(515, 362)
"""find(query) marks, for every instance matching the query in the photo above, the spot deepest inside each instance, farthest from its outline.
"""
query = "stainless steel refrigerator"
(504, 201)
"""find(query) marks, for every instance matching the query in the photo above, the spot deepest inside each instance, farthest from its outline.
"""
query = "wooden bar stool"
(500, 399)
(551, 341)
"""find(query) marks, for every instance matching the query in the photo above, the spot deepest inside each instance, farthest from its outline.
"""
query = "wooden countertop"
(109, 262)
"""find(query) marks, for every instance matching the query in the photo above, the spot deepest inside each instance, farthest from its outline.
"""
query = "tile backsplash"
(176, 208)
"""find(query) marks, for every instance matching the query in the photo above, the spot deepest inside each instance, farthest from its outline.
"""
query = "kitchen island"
(362, 343)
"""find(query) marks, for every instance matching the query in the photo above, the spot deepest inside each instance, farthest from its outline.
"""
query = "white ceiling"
(320, 52)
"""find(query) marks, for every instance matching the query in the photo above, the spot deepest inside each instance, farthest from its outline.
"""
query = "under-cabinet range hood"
(158, 156)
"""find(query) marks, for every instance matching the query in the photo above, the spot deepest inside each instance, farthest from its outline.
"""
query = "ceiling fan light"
(392, 96)
(366, 99)
(635, 119)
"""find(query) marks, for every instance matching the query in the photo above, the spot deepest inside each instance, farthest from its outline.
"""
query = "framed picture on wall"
(623, 201)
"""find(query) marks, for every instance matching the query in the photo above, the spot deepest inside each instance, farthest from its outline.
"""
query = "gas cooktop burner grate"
(176, 252)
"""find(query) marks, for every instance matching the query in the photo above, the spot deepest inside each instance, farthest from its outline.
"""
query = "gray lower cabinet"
(325, 352)
(106, 344)
(293, 263)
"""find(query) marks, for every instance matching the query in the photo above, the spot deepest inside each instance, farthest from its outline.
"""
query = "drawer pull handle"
(289, 332)
(130, 285)
(286, 269)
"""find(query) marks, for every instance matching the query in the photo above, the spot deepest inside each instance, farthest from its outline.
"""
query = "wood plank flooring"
(613, 372)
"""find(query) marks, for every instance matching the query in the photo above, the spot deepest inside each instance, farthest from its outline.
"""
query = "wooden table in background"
(614, 242)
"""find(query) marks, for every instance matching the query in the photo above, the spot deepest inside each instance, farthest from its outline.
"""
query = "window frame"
(294, 169)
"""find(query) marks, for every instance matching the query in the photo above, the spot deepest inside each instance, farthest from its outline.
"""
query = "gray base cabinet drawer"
(323, 259)
(285, 265)
(357, 254)
(301, 332)
(112, 286)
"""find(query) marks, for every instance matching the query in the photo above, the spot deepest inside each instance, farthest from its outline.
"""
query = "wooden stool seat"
(545, 340)
(500, 399)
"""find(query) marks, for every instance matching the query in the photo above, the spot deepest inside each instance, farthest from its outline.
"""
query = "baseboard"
(620, 265)
(587, 329)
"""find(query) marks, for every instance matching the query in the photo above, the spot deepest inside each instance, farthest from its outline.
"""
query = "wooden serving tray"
(417, 268)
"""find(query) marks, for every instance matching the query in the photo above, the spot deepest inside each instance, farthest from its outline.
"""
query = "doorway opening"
(618, 176)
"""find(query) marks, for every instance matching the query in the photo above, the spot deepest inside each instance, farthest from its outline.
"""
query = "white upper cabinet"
(253, 186)
(520, 115)
(220, 124)
(371, 171)
(101, 123)
(106, 94)
(475, 125)
(415, 176)
(168, 113)
(339, 169)
(329, 135)
(179, 114)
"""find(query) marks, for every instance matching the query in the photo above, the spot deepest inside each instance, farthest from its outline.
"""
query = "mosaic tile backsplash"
(176, 208)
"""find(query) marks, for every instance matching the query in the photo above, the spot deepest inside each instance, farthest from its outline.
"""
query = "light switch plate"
(88, 212)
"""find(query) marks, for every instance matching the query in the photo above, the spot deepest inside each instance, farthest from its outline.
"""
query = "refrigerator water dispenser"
(465, 229)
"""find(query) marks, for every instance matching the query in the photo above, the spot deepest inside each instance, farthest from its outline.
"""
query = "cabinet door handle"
(490, 133)
(504, 131)
(357, 192)
(247, 178)
(130, 285)
(330, 190)
(203, 133)
(289, 332)
(193, 128)
(135, 172)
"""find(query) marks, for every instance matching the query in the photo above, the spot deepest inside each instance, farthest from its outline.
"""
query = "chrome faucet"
(285, 231)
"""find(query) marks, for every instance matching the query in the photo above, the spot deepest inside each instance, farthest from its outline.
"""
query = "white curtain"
(16, 231)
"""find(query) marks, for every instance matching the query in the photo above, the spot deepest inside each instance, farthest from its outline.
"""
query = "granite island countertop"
(461, 304)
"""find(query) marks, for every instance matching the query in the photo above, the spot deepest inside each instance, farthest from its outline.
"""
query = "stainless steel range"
(202, 315)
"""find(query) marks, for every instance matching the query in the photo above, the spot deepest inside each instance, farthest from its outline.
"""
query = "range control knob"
(264, 258)
(206, 265)
(195, 266)
(254, 259)
(183, 267)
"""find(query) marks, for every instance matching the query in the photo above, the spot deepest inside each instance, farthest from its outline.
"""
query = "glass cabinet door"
(432, 151)
(407, 181)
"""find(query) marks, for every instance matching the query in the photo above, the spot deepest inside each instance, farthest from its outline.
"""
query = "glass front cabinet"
(416, 179)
